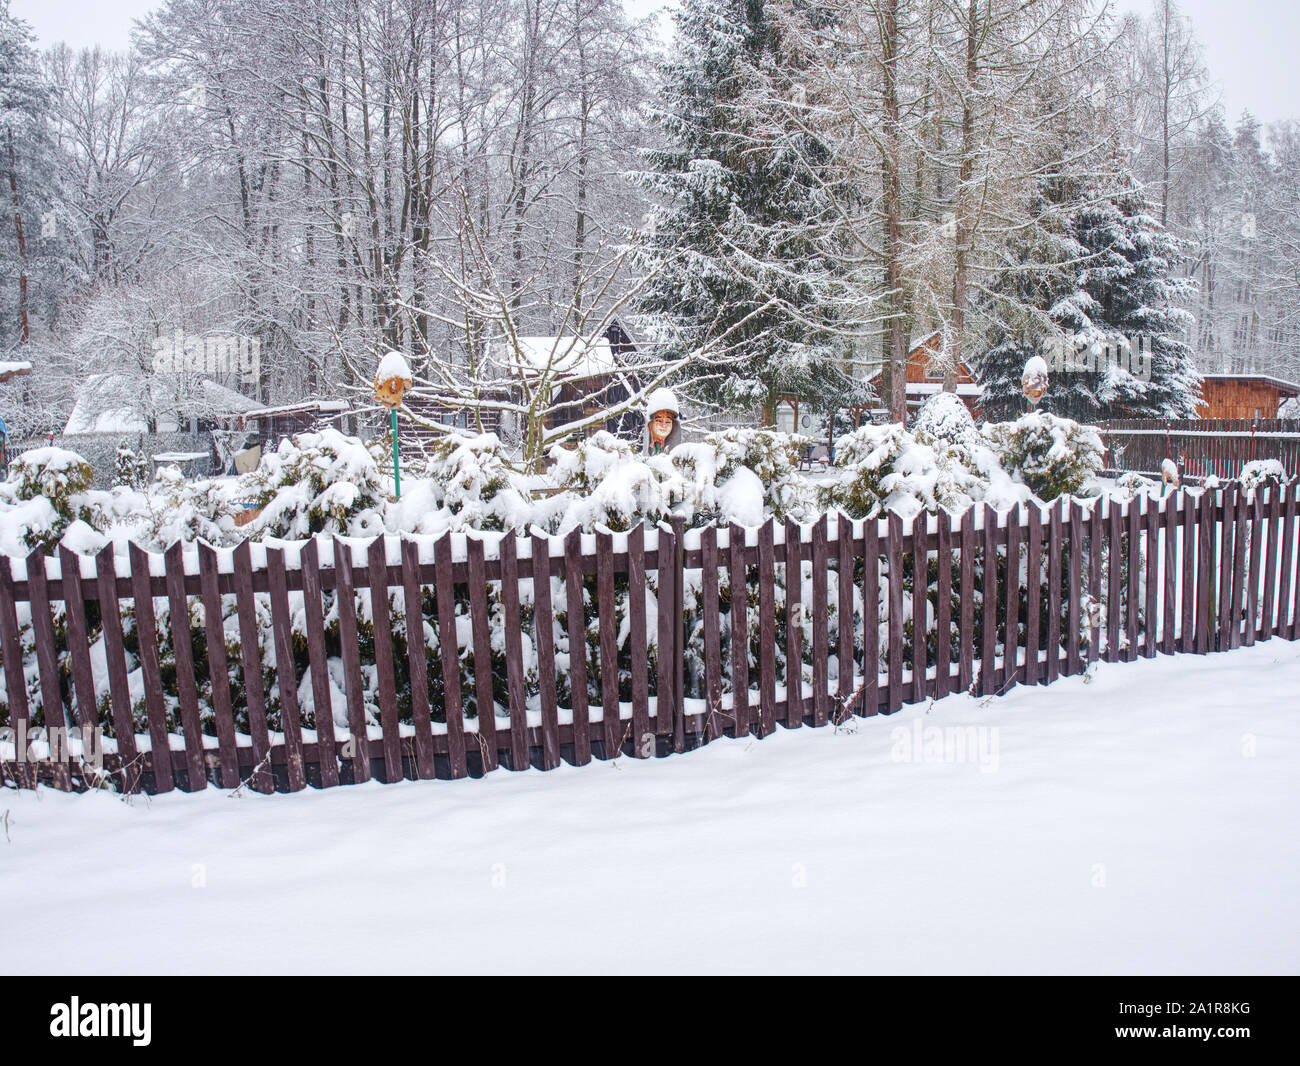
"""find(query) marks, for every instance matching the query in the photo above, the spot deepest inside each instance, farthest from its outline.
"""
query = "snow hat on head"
(662, 400)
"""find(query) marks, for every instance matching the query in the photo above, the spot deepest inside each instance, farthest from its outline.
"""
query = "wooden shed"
(1244, 395)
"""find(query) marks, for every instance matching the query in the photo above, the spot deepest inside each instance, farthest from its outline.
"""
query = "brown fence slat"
(843, 613)
(870, 617)
(449, 649)
(894, 662)
(250, 652)
(83, 679)
(793, 625)
(1290, 490)
(146, 628)
(611, 727)
(737, 576)
(1151, 605)
(711, 623)
(313, 605)
(1011, 594)
(766, 627)
(1237, 615)
(358, 748)
(183, 651)
(1033, 589)
(1256, 517)
(943, 605)
(643, 745)
(1222, 557)
(1168, 584)
(219, 669)
(514, 653)
(47, 665)
(15, 680)
(1096, 541)
(417, 658)
(665, 597)
(1272, 513)
(989, 606)
(1074, 595)
(1114, 544)
(481, 631)
(967, 638)
(544, 635)
(679, 632)
(1204, 620)
(385, 672)
(920, 604)
(1187, 540)
(577, 627)
(290, 721)
(119, 691)
(1134, 582)
(1054, 552)
(820, 624)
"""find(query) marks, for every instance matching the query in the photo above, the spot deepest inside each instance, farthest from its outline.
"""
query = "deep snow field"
(1146, 821)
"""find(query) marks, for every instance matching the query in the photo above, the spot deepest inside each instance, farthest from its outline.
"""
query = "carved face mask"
(661, 425)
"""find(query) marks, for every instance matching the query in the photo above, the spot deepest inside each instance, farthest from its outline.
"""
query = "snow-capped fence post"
(1074, 604)
(577, 634)
(988, 679)
(1267, 626)
(119, 689)
(767, 627)
(943, 606)
(679, 632)
(739, 587)
(920, 603)
(894, 551)
(358, 747)
(643, 745)
(282, 640)
(794, 614)
(611, 724)
(1054, 553)
(1285, 625)
(820, 623)
(251, 654)
(322, 703)
(712, 633)
(453, 708)
(1011, 653)
(146, 627)
(417, 661)
(218, 668)
(38, 597)
(544, 642)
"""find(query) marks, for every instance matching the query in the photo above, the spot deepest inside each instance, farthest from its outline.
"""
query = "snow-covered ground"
(1147, 821)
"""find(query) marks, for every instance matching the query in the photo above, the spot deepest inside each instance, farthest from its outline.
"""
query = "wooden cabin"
(585, 375)
(274, 424)
(1244, 395)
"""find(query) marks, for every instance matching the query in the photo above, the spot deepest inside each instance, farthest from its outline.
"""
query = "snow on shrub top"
(1260, 470)
(317, 483)
(471, 479)
(1053, 456)
(942, 420)
(47, 488)
(607, 484)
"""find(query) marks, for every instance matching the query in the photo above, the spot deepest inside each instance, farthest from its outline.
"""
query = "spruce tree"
(739, 249)
(1095, 271)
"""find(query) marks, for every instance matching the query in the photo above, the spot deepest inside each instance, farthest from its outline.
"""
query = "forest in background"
(777, 202)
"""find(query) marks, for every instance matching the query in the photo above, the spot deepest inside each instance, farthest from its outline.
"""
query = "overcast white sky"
(1250, 45)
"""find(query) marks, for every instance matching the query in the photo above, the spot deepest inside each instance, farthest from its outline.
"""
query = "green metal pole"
(397, 476)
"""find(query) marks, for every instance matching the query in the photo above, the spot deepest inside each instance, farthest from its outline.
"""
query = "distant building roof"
(1290, 388)
(14, 369)
(108, 404)
(306, 407)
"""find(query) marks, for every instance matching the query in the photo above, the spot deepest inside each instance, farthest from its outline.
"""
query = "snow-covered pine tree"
(741, 242)
(1136, 293)
(1095, 269)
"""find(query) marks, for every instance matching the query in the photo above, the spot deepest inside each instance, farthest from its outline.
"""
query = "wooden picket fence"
(1202, 447)
(1093, 580)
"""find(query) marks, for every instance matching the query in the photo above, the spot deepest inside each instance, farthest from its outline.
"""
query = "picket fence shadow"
(672, 659)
